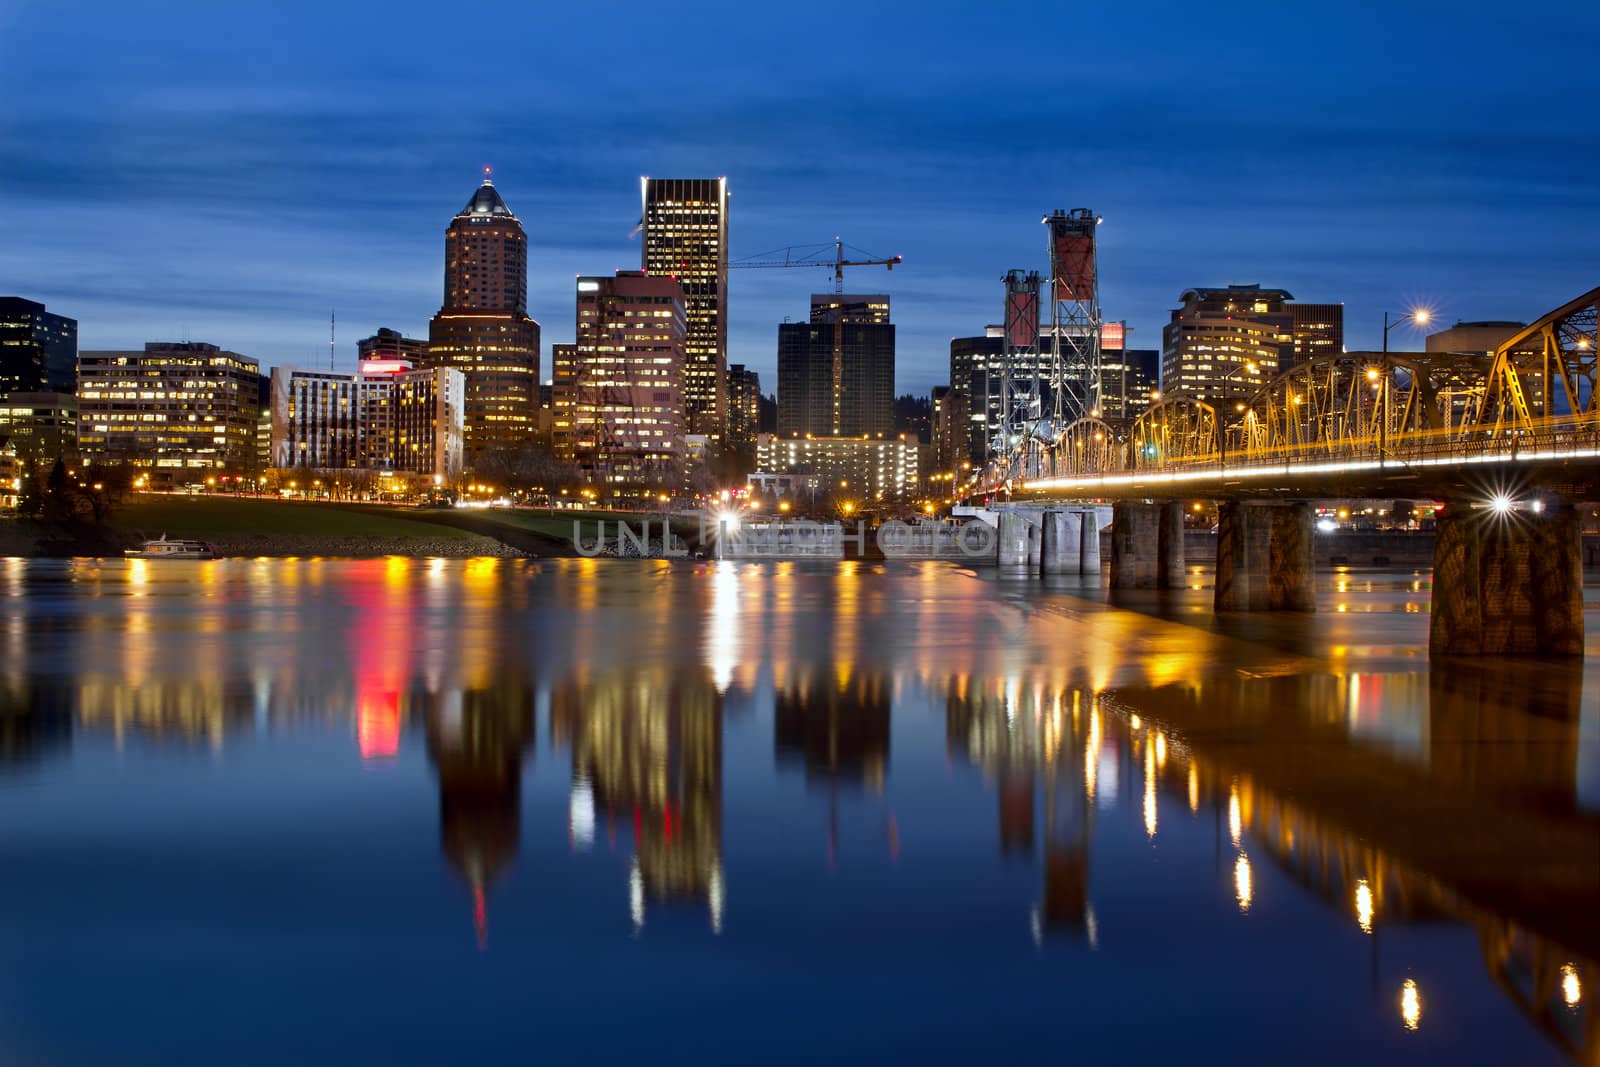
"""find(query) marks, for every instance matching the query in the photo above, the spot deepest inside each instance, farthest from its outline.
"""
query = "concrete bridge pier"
(1291, 565)
(1061, 542)
(1170, 565)
(1244, 543)
(1507, 584)
(1035, 542)
(1264, 557)
(1135, 545)
(1013, 539)
(1089, 550)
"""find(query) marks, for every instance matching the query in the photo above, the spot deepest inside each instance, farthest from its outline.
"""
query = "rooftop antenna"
(331, 348)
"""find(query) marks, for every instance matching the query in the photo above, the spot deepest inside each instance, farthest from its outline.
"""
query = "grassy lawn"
(197, 516)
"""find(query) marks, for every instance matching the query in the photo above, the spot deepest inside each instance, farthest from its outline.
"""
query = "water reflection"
(647, 750)
(1389, 803)
(477, 742)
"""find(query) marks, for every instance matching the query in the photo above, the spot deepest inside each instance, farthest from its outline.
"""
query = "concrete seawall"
(1345, 547)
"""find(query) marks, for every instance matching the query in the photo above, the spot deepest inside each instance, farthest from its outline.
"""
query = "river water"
(505, 811)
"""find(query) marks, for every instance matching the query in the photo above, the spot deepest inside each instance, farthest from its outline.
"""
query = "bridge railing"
(1556, 435)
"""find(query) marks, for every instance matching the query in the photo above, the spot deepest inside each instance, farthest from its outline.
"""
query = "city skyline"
(1267, 193)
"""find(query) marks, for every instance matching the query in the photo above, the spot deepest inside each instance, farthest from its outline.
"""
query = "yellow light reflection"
(1235, 819)
(1571, 989)
(723, 639)
(1364, 905)
(1133, 721)
(1411, 1004)
(1150, 792)
(1161, 750)
(1194, 788)
(1091, 766)
(1243, 882)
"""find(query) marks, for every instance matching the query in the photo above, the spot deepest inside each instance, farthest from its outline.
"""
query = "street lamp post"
(1420, 317)
(1251, 366)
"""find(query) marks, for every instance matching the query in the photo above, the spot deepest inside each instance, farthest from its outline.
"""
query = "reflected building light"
(580, 816)
(1235, 819)
(723, 638)
(1091, 764)
(480, 916)
(1571, 988)
(1364, 905)
(1091, 927)
(714, 894)
(1243, 883)
(1150, 792)
(1133, 721)
(378, 731)
(1161, 750)
(1194, 788)
(1411, 1004)
(636, 894)
(1109, 777)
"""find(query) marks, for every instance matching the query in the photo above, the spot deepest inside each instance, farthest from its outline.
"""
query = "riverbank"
(249, 527)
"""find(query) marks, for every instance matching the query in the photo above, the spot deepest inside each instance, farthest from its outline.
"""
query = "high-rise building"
(38, 350)
(850, 307)
(390, 344)
(387, 417)
(946, 456)
(619, 389)
(483, 329)
(864, 470)
(972, 361)
(176, 404)
(1128, 376)
(1316, 331)
(42, 427)
(744, 405)
(1218, 335)
(685, 232)
(852, 396)
(263, 456)
(1473, 337)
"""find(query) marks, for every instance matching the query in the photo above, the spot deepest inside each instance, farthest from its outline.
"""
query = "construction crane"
(814, 256)
(817, 256)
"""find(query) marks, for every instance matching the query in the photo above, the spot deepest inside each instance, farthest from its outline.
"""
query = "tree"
(59, 505)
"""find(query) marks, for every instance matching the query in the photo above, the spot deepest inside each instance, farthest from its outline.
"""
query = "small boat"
(173, 548)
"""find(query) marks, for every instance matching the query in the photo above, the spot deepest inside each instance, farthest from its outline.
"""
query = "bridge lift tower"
(1045, 383)
(1015, 392)
(1074, 316)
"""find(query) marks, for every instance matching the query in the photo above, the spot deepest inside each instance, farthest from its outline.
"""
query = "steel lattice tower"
(1014, 395)
(1074, 316)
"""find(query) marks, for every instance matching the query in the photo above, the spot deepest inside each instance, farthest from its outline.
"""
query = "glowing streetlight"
(1420, 316)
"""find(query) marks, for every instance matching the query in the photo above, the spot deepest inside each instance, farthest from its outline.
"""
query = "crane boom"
(816, 256)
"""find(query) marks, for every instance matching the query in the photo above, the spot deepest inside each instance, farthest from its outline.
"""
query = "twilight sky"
(230, 171)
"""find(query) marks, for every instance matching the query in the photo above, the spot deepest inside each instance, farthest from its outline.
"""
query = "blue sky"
(231, 171)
